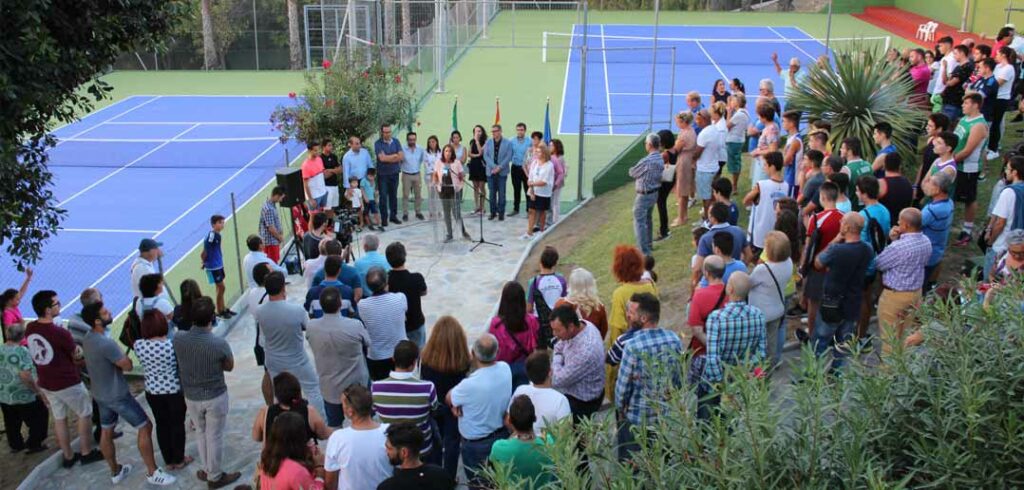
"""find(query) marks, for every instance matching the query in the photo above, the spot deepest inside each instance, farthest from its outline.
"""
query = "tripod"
(481, 241)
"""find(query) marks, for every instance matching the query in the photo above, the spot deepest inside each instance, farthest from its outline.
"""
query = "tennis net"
(558, 47)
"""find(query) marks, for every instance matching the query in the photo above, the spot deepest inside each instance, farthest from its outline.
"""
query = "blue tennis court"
(688, 58)
(149, 166)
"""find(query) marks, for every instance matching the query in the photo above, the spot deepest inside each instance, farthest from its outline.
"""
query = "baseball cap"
(148, 244)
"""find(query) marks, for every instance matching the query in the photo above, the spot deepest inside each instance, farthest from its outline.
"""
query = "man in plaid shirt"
(270, 225)
(735, 334)
(651, 363)
(647, 175)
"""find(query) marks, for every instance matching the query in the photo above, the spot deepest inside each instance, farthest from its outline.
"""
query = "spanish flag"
(497, 111)
(455, 114)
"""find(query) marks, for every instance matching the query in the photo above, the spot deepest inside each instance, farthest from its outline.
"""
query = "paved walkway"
(461, 283)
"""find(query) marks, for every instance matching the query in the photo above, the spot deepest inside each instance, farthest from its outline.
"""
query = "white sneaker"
(161, 478)
(992, 155)
(121, 475)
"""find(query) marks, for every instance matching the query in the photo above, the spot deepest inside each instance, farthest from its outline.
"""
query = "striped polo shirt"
(402, 397)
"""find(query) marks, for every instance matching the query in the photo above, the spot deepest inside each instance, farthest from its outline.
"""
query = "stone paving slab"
(460, 282)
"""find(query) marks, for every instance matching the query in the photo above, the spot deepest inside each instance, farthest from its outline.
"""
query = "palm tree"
(210, 58)
(856, 91)
(294, 39)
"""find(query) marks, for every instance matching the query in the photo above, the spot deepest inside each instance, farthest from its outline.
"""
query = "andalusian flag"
(497, 111)
(547, 122)
(455, 114)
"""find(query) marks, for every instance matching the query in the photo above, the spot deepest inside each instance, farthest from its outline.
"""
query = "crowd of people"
(368, 183)
(360, 392)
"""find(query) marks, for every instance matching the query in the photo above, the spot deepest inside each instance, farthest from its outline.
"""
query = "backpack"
(543, 311)
(132, 329)
(879, 237)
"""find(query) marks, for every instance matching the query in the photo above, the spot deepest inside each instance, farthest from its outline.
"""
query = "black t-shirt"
(810, 190)
(426, 477)
(412, 285)
(845, 261)
(954, 94)
(311, 245)
(330, 161)
(443, 382)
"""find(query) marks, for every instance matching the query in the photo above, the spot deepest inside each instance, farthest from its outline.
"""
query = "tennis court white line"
(607, 89)
(182, 123)
(129, 164)
(105, 230)
(712, 60)
(179, 140)
(565, 86)
(791, 43)
(90, 128)
(133, 253)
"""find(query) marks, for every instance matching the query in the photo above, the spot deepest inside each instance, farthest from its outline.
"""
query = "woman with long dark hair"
(737, 86)
(182, 317)
(719, 92)
(287, 461)
(477, 168)
(667, 140)
(288, 393)
(432, 154)
(516, 331)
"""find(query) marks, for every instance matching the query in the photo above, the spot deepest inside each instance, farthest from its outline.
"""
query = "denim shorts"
(371, 207)
(704, 180)
(126, 407)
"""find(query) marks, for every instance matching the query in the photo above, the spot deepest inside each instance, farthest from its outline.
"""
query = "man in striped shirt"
(270, 225)
(647, 176)
(402, 397)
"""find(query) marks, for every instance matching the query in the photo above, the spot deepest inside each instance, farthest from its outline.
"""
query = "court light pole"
(828, 28)
(583, 102)
(654, 68)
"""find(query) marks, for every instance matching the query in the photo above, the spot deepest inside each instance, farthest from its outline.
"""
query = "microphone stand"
(482, 241)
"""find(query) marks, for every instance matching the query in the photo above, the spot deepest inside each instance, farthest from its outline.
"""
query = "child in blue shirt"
(213, 263)
(369, 186)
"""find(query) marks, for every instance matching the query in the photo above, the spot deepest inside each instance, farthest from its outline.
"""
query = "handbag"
(668, 174)
(831, 309)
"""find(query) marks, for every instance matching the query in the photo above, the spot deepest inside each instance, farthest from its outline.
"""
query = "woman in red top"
(516, 331)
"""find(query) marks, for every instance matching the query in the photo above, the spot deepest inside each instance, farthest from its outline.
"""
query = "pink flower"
(329, 103)
(758, 372)
(291, 95)
(327, 64)
(398, 78)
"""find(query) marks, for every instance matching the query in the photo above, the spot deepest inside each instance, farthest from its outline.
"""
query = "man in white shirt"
(549, 405)
(1003, 214)
(255, 256)
(356, 456)
(145, 263)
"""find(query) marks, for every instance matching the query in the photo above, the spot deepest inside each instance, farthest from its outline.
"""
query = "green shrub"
(946, 414)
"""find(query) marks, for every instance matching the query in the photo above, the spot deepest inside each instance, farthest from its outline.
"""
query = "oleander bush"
(946, 414)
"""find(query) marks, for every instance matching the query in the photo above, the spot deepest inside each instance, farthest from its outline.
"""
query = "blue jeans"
(496, 192)
(990, 262)
(388, 197)
(831, 336)
(953, 112)
(626, 440)
(126, 407)
(643, 221)
(334, 414)
(776, 340)
(475, 454)
(418, 336)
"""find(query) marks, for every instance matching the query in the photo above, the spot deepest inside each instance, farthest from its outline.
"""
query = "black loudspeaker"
(291, 180)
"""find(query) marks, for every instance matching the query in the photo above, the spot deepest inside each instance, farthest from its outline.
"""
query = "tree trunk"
(210, 58)
(389, 23)
(294, 39)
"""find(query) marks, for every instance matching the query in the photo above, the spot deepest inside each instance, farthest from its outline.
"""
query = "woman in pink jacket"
(516, 331)
(558, 159)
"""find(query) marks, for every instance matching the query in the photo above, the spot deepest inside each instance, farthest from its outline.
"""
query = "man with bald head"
(735, 336)
(902, 265)
(479, 402)
(845, 260)
(704, 301)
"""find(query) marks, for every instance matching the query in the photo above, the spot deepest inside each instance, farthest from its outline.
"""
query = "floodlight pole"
(256, 35)
(583, 102)
(828, 28)
(654, 68)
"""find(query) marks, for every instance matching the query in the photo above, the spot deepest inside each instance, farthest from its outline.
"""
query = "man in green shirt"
(523, 452)
(855, 166)
(972, 131)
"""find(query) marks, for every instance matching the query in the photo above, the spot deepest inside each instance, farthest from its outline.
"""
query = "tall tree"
(294, 39)
(53, 52)
(211, 60)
